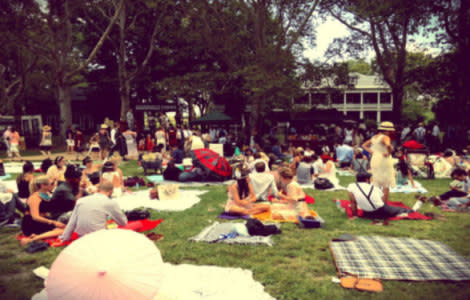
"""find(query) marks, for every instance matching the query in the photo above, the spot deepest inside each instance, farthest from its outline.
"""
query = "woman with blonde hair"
(293, 195)
(36, 224)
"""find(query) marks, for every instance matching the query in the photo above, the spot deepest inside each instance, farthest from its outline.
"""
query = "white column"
(361, 113)
(344, 104)
(378, 109)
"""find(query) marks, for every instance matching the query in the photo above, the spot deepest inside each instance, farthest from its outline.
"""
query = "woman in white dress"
(381, 164)
(160, 138)
(131, 143)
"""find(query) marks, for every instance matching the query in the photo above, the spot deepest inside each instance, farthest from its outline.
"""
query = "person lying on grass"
(458, 187)
(293, 195)
(363, 195)
(241, 195)
(37, 224)
(91, 213)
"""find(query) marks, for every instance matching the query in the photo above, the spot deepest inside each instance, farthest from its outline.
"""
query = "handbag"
(137, 214)
(322, 184)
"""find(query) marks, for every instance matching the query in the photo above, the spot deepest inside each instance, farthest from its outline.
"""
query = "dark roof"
(213, 117)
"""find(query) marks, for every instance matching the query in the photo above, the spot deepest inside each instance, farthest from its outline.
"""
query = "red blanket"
(139, 226)
(346, 204)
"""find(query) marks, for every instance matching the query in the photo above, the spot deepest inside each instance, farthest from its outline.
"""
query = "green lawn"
(298, 266)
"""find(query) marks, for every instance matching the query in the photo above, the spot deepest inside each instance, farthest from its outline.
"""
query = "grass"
(298, 266)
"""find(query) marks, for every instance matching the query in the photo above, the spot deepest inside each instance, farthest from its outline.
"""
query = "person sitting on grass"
(263, 182)
(305, 171)
(64, 196)
(363, 195)
(360, 164)
(36, 224)
(293, 195)
(57, 170)
(403, 170)
(458, 187)
(91, 213)
(24, 179)
(172, 172)
(113, 174)
(241, 196)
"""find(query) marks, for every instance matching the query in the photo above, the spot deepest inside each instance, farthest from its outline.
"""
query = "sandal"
(154, 236)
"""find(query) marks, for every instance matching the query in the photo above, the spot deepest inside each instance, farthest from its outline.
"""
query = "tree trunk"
(124, 84)
(65, 108)
(397, 93)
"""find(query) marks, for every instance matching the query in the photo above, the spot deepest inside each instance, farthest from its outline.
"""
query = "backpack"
(322, 184)
(137, 214)
(255, 227)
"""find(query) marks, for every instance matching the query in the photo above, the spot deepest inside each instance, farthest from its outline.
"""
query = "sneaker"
(14, 224)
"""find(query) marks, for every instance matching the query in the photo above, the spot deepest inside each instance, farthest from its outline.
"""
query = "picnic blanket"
(202, 283)
(139, 226)
(346, 205)
(409, 189)
(159, 179)
(280, 213)
(5, 177)
(186, 199)
(17, 167)
(11, 184)
(399, 259)
(341, 172)
(219, 233)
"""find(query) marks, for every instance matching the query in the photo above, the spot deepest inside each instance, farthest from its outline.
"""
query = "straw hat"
(46, 128)
(386, 126)
(104, 126)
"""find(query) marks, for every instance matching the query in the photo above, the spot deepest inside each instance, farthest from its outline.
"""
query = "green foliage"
(359, 66)
(414, 112)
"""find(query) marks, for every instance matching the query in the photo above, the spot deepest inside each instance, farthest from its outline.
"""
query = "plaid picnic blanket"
(399, 259)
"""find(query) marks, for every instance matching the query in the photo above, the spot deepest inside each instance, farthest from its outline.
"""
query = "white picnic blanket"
(159, 179)
(419, 188)
(11, 184)
(191, 282)
(17, 167)
(186, 199)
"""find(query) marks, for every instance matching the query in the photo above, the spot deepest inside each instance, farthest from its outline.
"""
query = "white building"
(366, 97)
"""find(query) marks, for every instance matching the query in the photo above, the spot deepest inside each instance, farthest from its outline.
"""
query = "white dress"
(383, 173)
(161, 139)
(131, 145)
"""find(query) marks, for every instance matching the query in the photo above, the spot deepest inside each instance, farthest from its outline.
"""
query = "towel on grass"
(17, 167)
(341, 172)
(191, 282)
(5, 177)
(346, 204)
(159, 179)
(280, 213)
(409, 189)
(186, 199)
(214, 234)
(138, 226)
(399, 259)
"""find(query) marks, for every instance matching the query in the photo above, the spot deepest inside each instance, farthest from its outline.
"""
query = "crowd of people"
(65, 198)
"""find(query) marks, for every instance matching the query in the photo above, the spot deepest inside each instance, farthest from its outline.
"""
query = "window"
(353, 98)
(319, 98)
(301, 100)
(386, 98)
(337, 98)
(370, 98)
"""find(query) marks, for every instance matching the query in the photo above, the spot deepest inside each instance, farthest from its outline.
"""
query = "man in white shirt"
(91, 213)
(404, 133)
(419, 133)
(344, 155)
(369, 199)
(436, 141)
(263, 183)
(317, 165)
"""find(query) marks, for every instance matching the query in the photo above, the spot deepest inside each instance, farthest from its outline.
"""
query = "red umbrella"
(218, 166)
(411, 144)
